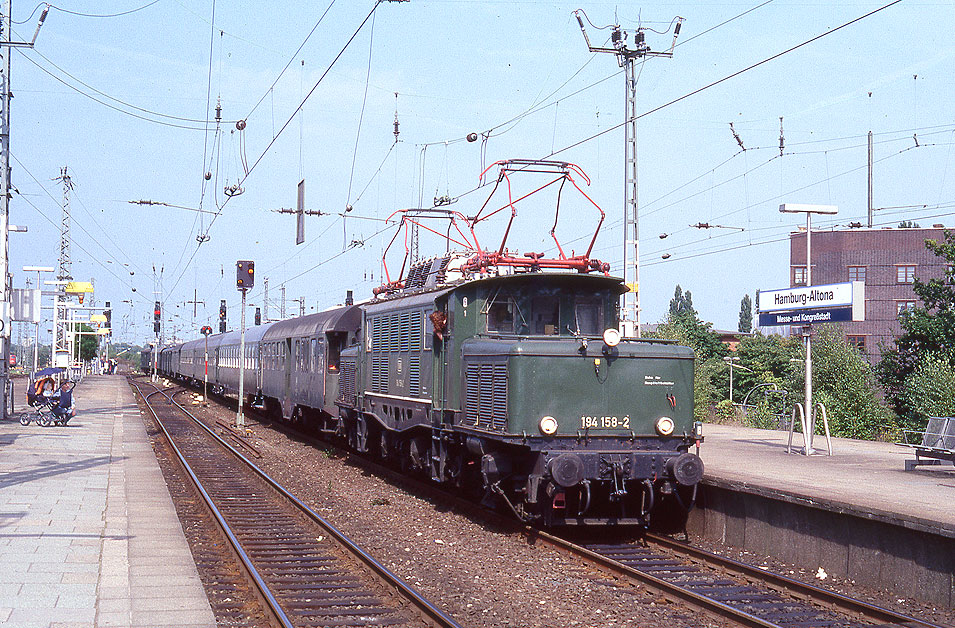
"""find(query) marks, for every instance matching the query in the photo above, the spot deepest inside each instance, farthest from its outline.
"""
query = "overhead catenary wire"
(291, 59)
(79, 14)
(56, 225)
(193, 127)
(276, 136)
(724, 79)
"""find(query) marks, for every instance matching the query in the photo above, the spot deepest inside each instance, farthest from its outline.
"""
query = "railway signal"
(205, 331)
(157, 317)
(244, 274)
(108, 313)
(223, 310)
(244, 279)
(258, 316)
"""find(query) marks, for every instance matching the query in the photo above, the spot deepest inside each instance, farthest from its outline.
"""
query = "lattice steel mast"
(626, 58)
(61, 343)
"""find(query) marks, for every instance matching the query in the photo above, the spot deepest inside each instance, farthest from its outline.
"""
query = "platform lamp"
(809, 210)
(36, 339)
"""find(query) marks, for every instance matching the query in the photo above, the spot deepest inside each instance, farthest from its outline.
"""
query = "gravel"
(480, 576)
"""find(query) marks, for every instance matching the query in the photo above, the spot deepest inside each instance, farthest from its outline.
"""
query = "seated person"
(63, 406)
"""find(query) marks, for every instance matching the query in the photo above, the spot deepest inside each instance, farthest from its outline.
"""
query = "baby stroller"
(49, 407)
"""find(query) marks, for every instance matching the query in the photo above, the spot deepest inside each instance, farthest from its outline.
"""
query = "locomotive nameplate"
(655, 380)
(605, 422)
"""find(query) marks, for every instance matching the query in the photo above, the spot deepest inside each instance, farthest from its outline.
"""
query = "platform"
(88, 532)
(856, 514)
(862, 477)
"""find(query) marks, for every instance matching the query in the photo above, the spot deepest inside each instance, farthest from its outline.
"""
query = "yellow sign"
(97, 318)
(79, 287)
(102, 332)
(633, 286)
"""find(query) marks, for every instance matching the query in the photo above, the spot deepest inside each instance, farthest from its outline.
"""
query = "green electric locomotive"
(520, 387)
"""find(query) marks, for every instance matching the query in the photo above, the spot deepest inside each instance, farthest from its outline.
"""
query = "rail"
(423, 607)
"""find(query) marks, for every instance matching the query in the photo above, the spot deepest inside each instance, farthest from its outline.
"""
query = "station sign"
(830, 303)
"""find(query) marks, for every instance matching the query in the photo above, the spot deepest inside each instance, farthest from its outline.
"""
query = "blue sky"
(461, 67)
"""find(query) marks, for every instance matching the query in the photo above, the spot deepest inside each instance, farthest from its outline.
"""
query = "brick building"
(887, 260)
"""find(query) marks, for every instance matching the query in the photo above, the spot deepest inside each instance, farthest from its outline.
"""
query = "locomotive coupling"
(686, 469)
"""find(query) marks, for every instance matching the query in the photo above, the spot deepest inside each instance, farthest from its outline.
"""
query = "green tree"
(746, 315)
(930, 388)
(927, 330)
(88, 343)
(681, 303)
(908, 224)
(710, 370)
(845, 383)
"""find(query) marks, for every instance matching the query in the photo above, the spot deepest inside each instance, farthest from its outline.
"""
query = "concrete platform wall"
(903, 558)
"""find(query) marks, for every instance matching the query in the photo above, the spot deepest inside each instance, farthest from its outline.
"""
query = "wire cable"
(281, 130)
(106, 104)
(723, 80)
(292, 58)
(62, 10)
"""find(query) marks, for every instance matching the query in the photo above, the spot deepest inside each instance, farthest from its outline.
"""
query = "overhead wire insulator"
(782, 138)
(739, 140)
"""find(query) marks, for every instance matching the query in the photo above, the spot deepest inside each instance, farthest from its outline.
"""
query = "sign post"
(809, 210)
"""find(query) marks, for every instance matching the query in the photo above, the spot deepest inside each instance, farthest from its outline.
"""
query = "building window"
(799, 275)
(904, 274)
(857, 273)
(857, 341)
(903, 306)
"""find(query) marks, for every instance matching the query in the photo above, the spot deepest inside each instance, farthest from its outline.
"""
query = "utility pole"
(626, 58)
(265, 300)
(282, 302)
(6, 49)
(61, 349)
(870, 179)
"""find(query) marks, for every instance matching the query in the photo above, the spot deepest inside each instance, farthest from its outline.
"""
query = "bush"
(930, 390)
(725, 412)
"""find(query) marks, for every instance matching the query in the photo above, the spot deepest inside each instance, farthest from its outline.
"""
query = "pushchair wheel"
(24, 418)
(45, 420)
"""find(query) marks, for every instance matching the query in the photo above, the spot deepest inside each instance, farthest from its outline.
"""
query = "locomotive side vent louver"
(486, 396)
(414, 376)
(347, 393)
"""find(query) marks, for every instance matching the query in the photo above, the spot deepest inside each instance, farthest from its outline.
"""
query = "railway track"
(742, 594)
(305, 571)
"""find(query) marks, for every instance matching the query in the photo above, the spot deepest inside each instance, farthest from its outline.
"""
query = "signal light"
(244, 274)
(258, 316)
(206, 330)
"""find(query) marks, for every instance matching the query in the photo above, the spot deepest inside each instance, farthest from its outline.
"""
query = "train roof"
(431, 293)
(252, 334)
(343, 318)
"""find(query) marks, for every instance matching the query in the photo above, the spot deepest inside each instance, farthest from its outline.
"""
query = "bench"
(937, 443)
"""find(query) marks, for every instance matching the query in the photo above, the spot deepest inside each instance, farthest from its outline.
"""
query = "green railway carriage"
(507, 385)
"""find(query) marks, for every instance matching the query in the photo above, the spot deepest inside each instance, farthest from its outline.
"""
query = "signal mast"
(626, 57)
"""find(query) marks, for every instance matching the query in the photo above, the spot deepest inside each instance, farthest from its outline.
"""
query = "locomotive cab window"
(500, 315)
(588, 318)
(545, 316)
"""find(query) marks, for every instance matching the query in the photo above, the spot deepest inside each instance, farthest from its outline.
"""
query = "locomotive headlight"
(664, 426)
(548, 425)
(611, 337)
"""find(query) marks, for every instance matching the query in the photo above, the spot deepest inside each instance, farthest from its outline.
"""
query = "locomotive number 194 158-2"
(605, 422)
